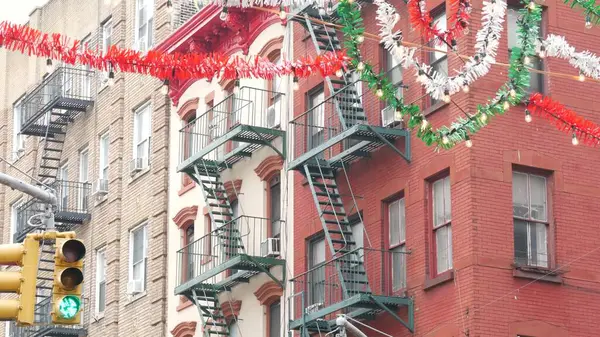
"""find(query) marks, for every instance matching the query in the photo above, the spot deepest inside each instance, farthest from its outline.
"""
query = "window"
(63, 177)
(16, 220)
(189, 145)
(316, 286)
(316, 119)
(397, 236)
(536, 80)
(530, 213)
(439, 60)
(275, 205)
(85, 83)
(83, 180)
(207, 241)
(144, 18)
(442, 230)
(100, 281)
(104, 145)
(107, 28)
(18, 141)
(234, 330)
(187, 240)
(142, 132)
(138, 249)
(275, 319)
(393, 71)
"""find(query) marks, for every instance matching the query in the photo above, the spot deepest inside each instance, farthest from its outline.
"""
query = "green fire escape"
(328, 138)
(237, 248)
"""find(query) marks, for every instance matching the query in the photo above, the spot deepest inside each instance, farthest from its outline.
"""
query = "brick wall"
(480, 299)
(131, 200)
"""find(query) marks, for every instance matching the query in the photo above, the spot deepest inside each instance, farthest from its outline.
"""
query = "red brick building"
(481, 225)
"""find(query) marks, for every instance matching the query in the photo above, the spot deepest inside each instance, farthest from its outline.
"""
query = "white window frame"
(84, 177)
(104, 153)
(18, 139)
(144, 228)
(63, 176)
(438, 61)
(107, 29)
(147, 43)
(100, 277)
(14, 218)
(138, 122)
(446, 223)
(398, 245)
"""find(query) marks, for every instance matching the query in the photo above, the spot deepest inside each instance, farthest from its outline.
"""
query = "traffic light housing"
(68, 279)
(23, 282)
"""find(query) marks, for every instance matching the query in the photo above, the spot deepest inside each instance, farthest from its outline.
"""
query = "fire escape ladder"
(209, 308)
(337, 228)
(348, 104)
(51, 154)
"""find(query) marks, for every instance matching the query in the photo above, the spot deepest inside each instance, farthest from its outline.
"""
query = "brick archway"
(184, 329)
(268, 293)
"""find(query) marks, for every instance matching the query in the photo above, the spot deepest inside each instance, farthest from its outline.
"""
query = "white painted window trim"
(143, 227)
(99, 279)
(104, 151)
(139, 113)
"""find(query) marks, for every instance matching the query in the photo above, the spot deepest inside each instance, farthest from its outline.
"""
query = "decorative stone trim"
(269, 293)
(271, 46)
(187, 108)
(184, 329)
(230, 190)
(231, 309)
(185, 216)
(269, 167)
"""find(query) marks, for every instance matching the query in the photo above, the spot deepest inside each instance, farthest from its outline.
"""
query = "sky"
(18, 11)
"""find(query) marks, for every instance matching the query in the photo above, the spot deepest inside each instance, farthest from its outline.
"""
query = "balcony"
(56, 101)
(230, 255)
(44, 326)
(338, 130)
(358, 285)
(72, 208)
(233, 129)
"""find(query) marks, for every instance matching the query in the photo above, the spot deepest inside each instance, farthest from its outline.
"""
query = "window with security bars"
(536, 80)
(442, 220)
(142, 131)
(144, 21)
(397, 236)
(138, 250)
(530, 216)
(100, 281)
(438, 60)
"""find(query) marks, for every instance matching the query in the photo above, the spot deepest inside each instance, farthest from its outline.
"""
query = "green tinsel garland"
(511, 93)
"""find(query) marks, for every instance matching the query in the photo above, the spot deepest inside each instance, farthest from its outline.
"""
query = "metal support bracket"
(409, 325)
(388, 143)
(268, 272)
(268, 143)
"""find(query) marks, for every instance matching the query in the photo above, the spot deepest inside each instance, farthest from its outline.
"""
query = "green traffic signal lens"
(69, 307)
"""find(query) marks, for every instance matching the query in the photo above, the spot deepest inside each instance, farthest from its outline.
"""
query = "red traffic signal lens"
(70, 278)
(72, 250)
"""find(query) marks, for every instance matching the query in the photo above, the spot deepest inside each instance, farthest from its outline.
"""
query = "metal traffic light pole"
(36, 192)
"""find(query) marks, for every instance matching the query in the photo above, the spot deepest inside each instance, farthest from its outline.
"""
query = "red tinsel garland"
(424, 22)
(564, 119)
(30, 41)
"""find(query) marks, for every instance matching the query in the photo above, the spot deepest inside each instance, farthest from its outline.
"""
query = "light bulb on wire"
(506, 105)
(465, 87)
(446, 97)
(322, 11)
(330, 10)
(339, 73)
(111, 78)
(445, 140)
(542, 52)
(532, 5)
(282, 13)
(422, 76)
(379, 92)
(224, 14)
(49, 66)
(483, 118)
(588, 22)
(581, 77)
(468, 142)
(360, 39)
(528, 117)
(574, 139)
(165, 87)
(360, 66)
(424, 124)
(295, 86)
(512, 93)
(526, 60)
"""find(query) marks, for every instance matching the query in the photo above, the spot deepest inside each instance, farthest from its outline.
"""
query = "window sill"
(136, 297)
(537, 273)
(98, 317)
(138, 175)
(186, 188)
(434, 108)
(439, 279)
(184, 304)
(101, 200)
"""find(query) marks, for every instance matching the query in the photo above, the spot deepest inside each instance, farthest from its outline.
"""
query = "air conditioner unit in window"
(101, 187)
(270, 247)
(313, 308)
(138, 164)
(389, 117)
(272, 116)
(134, 287)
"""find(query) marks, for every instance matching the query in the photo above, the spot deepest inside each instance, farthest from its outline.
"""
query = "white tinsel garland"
(437, 84)
(557, 46)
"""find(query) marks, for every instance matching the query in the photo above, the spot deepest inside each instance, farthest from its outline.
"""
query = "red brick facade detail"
(269, 293)
(184, 329)
(231, 309)
(185, 216)
(269, 167)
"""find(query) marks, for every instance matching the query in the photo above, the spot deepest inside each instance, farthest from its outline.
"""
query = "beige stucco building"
(103, 147)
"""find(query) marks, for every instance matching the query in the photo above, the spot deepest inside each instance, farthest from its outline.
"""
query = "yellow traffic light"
(23, 282)
(68, 279)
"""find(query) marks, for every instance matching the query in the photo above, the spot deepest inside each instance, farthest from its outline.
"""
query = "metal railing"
(58, 90)
(322, 122)
(248, 106)
(222, 245)
(320, 287)
(43, 321)
(184, 10)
